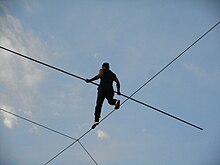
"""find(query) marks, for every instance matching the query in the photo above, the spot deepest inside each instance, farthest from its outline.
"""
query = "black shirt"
(107, 78)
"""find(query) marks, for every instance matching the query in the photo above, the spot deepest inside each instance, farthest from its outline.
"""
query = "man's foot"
(117, 104)
(95, 124)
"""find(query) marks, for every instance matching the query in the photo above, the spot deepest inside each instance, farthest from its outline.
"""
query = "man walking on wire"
(105, 90)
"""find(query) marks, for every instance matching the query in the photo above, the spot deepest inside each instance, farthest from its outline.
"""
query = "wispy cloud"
(97, 54)
(20, 79)
(14, 36)
(34, 130)
(102, 134)
(8, 119)
(195, 70)
(28, 113)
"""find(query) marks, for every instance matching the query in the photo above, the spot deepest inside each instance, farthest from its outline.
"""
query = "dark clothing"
(105, 90)
(107, 78)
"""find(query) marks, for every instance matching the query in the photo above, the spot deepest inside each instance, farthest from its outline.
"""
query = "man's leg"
(98, 108)
(111, 101)
(99, 102)
(109, 97)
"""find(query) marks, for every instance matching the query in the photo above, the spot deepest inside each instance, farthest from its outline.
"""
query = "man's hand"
(118, 92)
(87, 80)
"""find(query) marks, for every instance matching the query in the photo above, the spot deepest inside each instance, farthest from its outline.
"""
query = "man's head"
(105, 65)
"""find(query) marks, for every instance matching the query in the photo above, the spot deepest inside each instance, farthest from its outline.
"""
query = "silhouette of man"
(105, 90)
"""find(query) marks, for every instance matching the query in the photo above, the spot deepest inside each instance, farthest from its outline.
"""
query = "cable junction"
(50, 129)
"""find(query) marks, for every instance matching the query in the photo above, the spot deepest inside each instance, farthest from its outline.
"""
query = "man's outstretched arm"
(96, 77)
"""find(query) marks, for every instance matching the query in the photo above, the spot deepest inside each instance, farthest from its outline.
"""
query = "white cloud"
(16, 70)
(20, 79)
(197, 71)
(56, 113)
(102, 134)
(8, 119)
(97, 54)
(28, 113)
(34, 130)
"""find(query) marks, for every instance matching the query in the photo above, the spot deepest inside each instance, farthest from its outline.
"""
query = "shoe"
(95, 124)
(117, 104)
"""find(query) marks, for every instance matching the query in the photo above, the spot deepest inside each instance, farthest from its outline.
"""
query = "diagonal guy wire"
(130, 97)
(38, 124)
(50, 129)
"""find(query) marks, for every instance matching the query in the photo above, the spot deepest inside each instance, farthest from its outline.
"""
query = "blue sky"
(137, 38)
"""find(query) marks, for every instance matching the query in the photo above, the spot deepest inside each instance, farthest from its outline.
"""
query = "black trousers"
(103, 92)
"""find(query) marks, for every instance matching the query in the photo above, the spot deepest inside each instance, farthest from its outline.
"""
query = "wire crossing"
(127, 97)
(50, 129)
(58, 154)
